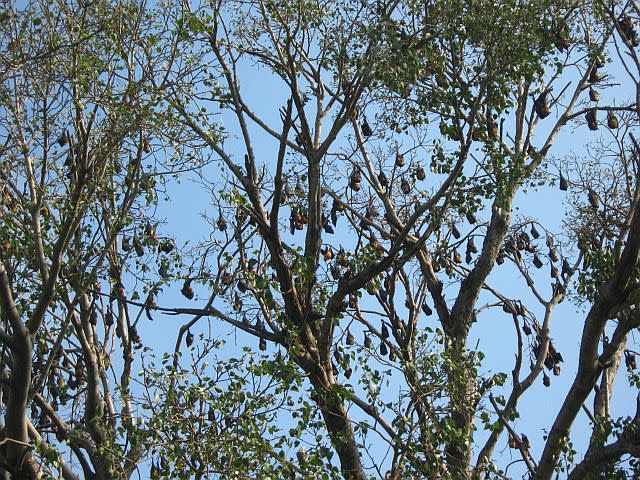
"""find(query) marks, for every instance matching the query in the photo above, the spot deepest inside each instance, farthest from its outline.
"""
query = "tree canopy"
(376, 184)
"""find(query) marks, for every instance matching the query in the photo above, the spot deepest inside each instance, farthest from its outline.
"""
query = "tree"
(78, 114)
(329, 226)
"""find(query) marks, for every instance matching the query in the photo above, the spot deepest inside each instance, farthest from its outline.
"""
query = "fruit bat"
(405, 186)
(536, 261)
(471, 218)
(471, 247)
(326, 225)
(366, 129)
(350, 340)
(108, 318)
(630, 360)
(187, 290)
(564, 184)
(137, 246)
(592, 120)
(335, 272)
(534, 232)
(541, 104)
(626, 25)
(382, 178)
(133, 334)
(62, 139)
(561, 41)
(334, 214)
(384, 332)
(237, 303)
(166, 247)
(356, 176)
(594, 199)
(492, 128)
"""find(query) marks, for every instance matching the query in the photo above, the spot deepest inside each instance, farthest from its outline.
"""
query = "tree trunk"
(17, 434)
(462, 393)
(340, 431)
(601, 401)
